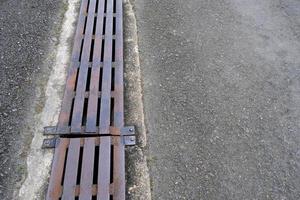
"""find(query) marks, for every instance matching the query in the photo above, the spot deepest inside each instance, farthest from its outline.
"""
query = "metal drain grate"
(88, 168)
(89, 160)
(94, 92)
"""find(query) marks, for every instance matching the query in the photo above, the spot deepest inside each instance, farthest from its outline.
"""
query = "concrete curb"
(138, 181)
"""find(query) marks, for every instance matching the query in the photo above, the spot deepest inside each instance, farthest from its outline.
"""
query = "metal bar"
(70, 84)
(104, 168)
(119, 171)
(119, 167)
(106, 79)
(64, 115)
(95, 78)
(57, 167)
(113, 131)
(71, 170)
(86, 183)
(119, 94)
(83, 70)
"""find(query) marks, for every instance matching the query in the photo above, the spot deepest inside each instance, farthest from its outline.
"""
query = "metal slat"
(106, 79)
(104, 124)
(104, 168)
(58, 168)
(86, 182)
(79, 31)
(95, 77)
(83, 71)
(119, 157)
(119, 171)
(71, 170)
(119, 94)
(64, 116)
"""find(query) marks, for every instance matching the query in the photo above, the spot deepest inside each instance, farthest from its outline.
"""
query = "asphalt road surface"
(26, 30)
(221, 82)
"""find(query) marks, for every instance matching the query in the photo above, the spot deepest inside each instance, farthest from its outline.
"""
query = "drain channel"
(86, 168)
(89, 158)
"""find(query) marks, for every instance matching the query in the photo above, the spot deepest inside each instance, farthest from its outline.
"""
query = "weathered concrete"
(221, 82)
(138, 184)
(39, 160)
(29, 31)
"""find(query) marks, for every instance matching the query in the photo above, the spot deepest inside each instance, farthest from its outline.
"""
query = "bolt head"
(131, 129)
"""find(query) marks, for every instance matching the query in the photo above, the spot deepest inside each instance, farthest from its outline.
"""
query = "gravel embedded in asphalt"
(26, 30)
(221, 97)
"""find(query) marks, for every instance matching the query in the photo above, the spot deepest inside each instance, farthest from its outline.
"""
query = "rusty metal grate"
(89, 160)
(88, 168)
(93, 99)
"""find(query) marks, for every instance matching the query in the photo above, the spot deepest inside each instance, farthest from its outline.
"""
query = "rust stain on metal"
(89, 160)
(87, 168)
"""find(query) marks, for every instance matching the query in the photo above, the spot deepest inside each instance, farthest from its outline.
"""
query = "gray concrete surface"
(137, 172)
(221, 83)
(28, 30)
